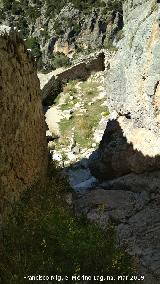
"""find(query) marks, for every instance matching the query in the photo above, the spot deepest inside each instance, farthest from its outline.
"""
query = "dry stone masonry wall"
(80, 70)
(23, 148)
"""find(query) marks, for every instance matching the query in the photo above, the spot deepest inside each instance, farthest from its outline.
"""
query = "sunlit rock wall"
(23, 148)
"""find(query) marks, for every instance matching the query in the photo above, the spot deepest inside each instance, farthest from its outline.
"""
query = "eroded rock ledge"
(23, 148)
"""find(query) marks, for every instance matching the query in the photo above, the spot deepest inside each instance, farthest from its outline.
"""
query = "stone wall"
(23, 147)
(80, 71)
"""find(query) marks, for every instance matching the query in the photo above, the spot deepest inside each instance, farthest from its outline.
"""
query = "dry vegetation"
(43, 237)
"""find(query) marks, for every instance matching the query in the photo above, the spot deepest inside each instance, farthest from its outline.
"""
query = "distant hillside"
(58, 30)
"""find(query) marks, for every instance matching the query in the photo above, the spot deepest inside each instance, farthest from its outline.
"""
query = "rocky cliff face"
(132, 85)
(23, 146)
(133, 80)
(65, 27)
(128, 160)
(126, 165)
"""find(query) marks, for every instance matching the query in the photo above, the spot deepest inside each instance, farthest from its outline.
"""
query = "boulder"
(131, 203)
(124, 149)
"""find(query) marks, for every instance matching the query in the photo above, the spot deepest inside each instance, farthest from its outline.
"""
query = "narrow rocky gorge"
(118, 180)
(102, 118)
(127, 162)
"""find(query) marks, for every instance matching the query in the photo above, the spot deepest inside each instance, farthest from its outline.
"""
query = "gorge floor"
(76, 121)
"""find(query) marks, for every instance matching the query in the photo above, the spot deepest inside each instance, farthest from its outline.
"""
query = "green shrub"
(7, 4)
(22, 25)
(40, 64)
(87, 4)
(114, 5)
(2, 16)
(44, 34)
(32, 13)
(60, 60)
(70, 88)
(58, 28)
(32, 43)
(17, 8)
(22, 8)
(54, 7)
(43, 237)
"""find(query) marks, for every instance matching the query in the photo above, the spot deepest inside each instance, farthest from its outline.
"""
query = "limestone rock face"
(131, 203)
(23, 148)
(125, 149)
(127, 162)
(132, 85)
(133, 79)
